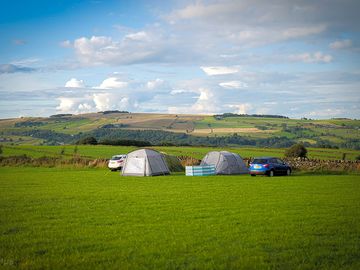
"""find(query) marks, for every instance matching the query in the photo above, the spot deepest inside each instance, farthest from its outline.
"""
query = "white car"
(116, 162)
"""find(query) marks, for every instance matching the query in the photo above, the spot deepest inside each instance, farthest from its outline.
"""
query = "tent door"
(136, 166)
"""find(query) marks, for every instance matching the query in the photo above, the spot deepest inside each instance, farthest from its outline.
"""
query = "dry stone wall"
(314, 165)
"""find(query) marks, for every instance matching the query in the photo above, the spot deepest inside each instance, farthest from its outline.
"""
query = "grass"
(92, 219)
(334, 130)
(104, 151)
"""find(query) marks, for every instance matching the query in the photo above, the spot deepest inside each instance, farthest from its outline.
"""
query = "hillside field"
(69, 128)
(93, 219)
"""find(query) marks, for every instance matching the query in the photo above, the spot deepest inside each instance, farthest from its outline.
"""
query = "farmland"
(92, 219)
(182, 129)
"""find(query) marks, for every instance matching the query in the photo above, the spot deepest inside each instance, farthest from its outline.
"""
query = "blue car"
(269, 166)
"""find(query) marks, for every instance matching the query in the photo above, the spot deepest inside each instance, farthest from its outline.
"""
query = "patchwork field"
(331, 131)
(93, 219)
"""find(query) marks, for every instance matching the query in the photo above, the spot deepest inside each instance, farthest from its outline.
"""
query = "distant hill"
(182, 129)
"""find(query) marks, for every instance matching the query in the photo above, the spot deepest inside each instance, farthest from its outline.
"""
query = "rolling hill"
(219, 130)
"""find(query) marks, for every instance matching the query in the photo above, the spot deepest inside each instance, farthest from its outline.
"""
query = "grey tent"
(225, 162)
(145, 162)
(174, 164)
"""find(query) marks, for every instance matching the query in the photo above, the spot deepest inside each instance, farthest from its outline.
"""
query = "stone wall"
(304, 164)
(313, 165)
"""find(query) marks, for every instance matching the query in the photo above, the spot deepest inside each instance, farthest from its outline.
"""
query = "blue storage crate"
(200, 170)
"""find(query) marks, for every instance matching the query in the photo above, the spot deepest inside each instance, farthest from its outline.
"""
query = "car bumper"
(114, 166)
(260, 172)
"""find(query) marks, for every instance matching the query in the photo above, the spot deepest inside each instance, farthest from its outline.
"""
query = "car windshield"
(260, 161)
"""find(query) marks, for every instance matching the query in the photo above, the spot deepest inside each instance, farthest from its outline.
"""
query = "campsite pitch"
(95, 219)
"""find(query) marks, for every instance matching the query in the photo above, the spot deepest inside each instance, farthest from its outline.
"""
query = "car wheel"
(271, 173)
(288, 172)
(253, 174)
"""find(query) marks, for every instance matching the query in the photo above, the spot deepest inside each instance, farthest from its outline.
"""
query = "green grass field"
(92, 219)
(104, 151)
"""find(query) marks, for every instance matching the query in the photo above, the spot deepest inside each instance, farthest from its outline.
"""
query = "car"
(269, 166)
(116, 162)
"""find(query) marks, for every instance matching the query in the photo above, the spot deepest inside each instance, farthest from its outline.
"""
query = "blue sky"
(294, 58)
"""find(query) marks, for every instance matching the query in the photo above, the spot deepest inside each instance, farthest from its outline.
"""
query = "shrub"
(357, 158)
(297, 150)
(88, 140)
(173, 163)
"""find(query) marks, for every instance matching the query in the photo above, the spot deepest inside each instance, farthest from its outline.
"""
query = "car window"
(273, 160)
(260, 161)
(279, 161)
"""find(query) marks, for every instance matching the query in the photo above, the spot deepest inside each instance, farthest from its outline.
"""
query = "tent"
(225, 162)
(145, 162)
(173, 163)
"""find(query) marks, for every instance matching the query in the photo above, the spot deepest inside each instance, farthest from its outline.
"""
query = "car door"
(282, 166)
(275, 165)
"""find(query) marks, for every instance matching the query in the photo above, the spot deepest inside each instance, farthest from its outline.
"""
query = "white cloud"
(341, 44)
(138, 36)
(109, 101)
(219, 70)
(102, 101)
(206, 103)
(233, 85)
(75, 83)
(112, 83)
(270, 103)
(241, 108)
(317, 57)
(154, 84)
(85, 107)
(199, 32)
(125, 103)
(66, 104)
(75, 104)
(133, 48)
(95, 102)
(296, 32)
(95, 49)
(199, 10)
(258, 35)
(178, 91)
(29, 62)
(250, 23)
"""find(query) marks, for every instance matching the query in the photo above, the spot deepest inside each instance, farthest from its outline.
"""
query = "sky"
(293, 58)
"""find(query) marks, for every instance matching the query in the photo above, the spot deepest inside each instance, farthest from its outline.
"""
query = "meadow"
(94, 219)
(106, 151)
